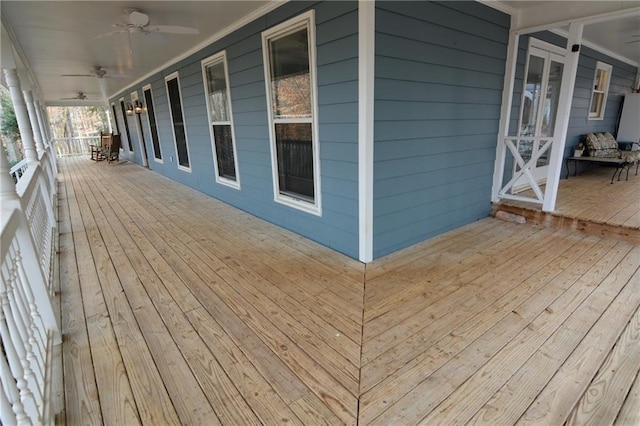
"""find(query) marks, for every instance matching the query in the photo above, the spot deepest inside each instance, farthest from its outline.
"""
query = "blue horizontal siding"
(439, 77)
(337, 73)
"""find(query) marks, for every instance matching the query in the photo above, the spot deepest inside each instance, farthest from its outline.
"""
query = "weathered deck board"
(203, 314)
(113, 386)
(608, 390)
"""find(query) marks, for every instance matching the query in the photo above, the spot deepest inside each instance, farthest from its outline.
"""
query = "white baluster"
(20, 321)
(38, 334)
(14, 356)
(11, 409)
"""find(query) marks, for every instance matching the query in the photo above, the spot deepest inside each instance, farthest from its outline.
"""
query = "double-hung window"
(216, 77)
(289, 59)
(600, 91)
(177, 119)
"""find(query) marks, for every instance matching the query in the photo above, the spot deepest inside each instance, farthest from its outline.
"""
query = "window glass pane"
(148, 100)
(601, 80)
(217, 85)
(224, 151)
(550, 109)
(596, 104)
(290, 82)
(295, 159)
(532, 96)
(178, 123)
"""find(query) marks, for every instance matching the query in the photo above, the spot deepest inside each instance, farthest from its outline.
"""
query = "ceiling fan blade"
(77, 75)
(633, 41)
(117, 76)
(171, 29)
(110, 33)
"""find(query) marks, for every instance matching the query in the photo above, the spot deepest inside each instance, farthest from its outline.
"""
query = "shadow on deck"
(177, 308)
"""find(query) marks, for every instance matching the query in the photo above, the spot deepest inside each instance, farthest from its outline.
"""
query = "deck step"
(556, 221)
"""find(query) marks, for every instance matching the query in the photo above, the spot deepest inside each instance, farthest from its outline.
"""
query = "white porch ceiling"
(59, 37)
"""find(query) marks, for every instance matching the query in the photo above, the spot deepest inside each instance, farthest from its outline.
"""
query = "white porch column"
(33, 120)
(562, 119)
(43, 131)
(22, 117)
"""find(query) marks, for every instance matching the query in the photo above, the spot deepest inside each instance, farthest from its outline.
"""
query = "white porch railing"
(28, 327)
(18, 170)
(74, 146)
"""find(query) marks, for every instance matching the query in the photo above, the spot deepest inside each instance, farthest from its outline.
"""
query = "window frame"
(599, 115)
(125, 123)
(221, 58)
(176, 75)
(157, 156)
(115, 117)
(303, 21)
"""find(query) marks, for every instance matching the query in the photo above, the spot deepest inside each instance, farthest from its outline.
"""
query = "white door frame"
(506, 143)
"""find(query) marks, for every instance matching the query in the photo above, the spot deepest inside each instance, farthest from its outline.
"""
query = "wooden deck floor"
(178, 309)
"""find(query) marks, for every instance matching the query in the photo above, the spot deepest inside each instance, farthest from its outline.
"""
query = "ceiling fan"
(134, 21)
(97, 72)
(80, 96)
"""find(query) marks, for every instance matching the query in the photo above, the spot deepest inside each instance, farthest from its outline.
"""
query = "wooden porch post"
(22, 117)
(562, 120)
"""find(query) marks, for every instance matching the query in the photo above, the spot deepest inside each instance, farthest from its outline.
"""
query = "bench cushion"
(601, 145)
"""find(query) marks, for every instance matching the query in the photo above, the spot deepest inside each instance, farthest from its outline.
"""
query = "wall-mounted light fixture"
(138, 107)
(129, 108)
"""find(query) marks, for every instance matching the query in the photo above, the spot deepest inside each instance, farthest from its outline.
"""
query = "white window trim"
(176, 75)
(124, 135)
(153, 148)
(305, 20)
(221, 57)
(609, 69)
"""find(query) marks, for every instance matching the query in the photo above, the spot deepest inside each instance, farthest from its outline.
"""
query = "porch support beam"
(505, 114)
(22, 116)
(562, 120)
(366, 69)
(33, 120)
